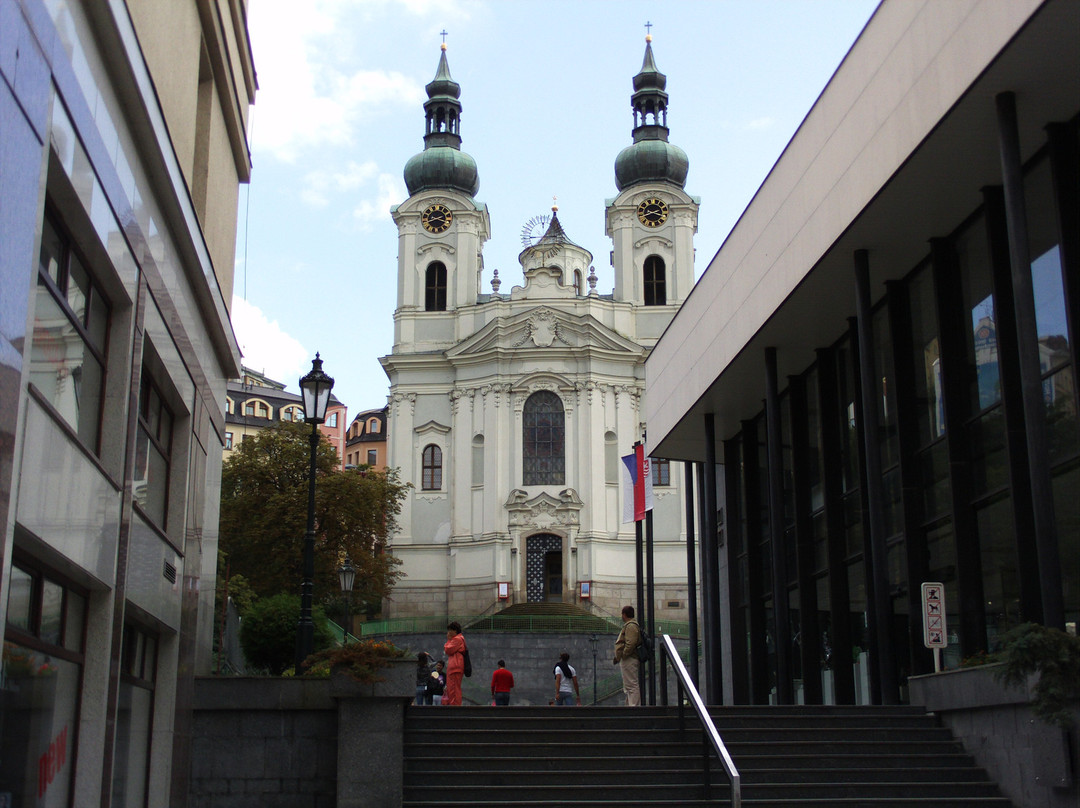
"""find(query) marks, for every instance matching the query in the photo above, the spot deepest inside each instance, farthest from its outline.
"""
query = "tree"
(264, 492)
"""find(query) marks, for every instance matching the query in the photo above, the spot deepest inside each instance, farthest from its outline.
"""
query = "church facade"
(509, 409)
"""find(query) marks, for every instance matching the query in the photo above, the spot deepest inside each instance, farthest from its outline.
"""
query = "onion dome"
(442, 164)
(651, 158)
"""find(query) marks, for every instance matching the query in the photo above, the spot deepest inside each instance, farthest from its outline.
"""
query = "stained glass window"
(544, 440)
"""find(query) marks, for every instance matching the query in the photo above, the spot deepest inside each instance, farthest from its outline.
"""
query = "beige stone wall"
(205, 102)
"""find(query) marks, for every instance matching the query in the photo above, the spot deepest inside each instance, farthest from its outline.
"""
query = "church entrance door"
(544, 568)
(553, 577)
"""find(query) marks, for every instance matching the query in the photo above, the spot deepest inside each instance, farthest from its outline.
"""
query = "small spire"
(592, 279)
(496, 283)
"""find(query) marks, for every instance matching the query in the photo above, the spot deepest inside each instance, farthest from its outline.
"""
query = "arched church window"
(577, 281)
(543, 440)
(435, 287)
(431, 468)
(655, 281)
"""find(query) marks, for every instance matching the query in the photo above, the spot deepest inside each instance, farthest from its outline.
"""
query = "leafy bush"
(1055, 656)
(360, 660)
(268, 633)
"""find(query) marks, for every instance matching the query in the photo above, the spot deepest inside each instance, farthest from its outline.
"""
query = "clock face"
(652, 212)
(436, 218)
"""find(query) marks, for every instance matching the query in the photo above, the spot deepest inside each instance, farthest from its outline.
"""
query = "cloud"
(265, 346)
(391, 192)
(310, 93)
(318, 185)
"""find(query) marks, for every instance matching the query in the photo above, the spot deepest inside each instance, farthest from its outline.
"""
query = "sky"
(545, 94)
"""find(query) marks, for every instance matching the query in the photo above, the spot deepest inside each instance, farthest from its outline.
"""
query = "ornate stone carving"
(544, 510)
(543, 329)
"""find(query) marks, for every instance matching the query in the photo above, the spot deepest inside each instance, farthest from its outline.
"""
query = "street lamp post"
(315, 390)
(592, 640)
(346, 577)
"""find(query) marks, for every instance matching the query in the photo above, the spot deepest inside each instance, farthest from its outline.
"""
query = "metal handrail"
(712, 737)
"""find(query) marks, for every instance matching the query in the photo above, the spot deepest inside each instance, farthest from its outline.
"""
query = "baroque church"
(509, 410)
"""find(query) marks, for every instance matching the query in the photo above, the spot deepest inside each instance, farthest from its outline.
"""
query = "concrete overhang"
(894, 152)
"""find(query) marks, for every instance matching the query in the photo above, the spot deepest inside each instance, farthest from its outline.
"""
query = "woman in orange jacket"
(455, 666)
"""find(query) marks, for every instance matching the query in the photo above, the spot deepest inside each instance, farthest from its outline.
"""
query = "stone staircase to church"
(788, 757)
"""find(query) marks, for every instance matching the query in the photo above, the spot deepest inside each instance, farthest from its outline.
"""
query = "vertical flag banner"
(637, 485)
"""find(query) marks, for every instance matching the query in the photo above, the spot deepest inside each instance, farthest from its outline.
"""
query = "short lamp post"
(347, 577)
(315, 390)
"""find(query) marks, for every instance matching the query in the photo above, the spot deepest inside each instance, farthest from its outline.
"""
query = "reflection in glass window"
(39, 688)
(152, 449)
(661, 471)
(924, 328)
(543, 440)
(133, 716)
(71, 317)
(1050, 309)
(1046, 269)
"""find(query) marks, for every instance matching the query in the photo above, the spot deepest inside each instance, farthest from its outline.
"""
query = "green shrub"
(1055, 656)
(268, 632)
(360, 660)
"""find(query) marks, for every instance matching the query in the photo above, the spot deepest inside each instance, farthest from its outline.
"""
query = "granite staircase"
(787, 757)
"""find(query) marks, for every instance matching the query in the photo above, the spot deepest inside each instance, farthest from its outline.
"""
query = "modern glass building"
(876, 374)
(122, 148)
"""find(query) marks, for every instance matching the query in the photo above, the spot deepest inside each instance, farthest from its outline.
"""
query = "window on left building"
(39, 686)
(71, 324)
(152, 451)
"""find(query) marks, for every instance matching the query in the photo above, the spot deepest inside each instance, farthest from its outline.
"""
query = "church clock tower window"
(655, 281)
(544, 440)
(431, 466)
(435, 287)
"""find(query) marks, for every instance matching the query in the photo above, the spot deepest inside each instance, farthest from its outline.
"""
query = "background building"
(123, 132)
(509, 409)
(365, 442)
(255, 402)
(903, 294)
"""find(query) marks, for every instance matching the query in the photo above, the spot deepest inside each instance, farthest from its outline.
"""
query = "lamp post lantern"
(315, 390)
(346, 577)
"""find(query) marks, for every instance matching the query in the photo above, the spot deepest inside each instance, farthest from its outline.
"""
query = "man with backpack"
(626, 656)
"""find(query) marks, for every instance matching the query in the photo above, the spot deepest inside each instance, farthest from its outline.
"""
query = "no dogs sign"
(934, 631)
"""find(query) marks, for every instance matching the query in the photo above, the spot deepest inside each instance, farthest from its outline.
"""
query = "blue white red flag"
(637, 485)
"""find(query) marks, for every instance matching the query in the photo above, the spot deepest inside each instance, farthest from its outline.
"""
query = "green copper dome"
(442, 164)
(651, 158)
(651, 161)
(442, 167)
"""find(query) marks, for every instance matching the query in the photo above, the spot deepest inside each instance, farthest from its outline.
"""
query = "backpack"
(644, 649)
(468, 662)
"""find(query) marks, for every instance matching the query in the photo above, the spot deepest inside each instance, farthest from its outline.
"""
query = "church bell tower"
(441, 226)
(653, 220)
